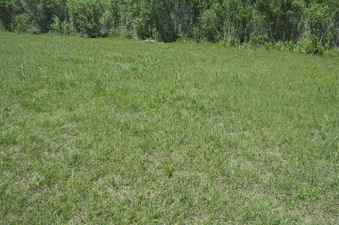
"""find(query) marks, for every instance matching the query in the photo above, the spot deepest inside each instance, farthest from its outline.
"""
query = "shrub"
(310, 45)
(163, 20)
(235, 19)
(107, 23)
(115, 13)
(61, 27)
(144, 25)
(280, 19)
(323, 23)
(208, 25)
(197, 34)
(87, 16)
(232, 42)
(56, 25)
(42, 12)
(258, 40)
(253, 22)
(142, 30)
(284, 46)
(290, 46)
(8, 10)
(269, 45)
(22, 23)
(2, 27)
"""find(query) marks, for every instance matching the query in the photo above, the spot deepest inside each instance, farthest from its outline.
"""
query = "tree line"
(257, 22)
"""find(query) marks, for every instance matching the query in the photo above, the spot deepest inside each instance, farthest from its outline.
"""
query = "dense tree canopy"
(240, 21)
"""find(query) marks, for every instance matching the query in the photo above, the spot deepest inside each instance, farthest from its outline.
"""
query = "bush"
(8, 10)
(248, 22)
(22, 23)
(142, 30)
(280, 19)
(310, 45)
(318, 16)
(284, 46)
(88, 16)
(232, 42)
(162, 15)
(323, 23)
(2, 27)
(144, 25)
(290, 46)
(235, 19)
(42, 12)
(61, 27)
(107, 23)
(208, 25)
(258, 40)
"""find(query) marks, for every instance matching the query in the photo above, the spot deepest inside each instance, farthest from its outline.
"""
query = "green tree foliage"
(208, 29)
(282, 18)
(88, 16)
(8, 10)
(235, 19)
(322, 22)
(162, 14)
(42, 12)
(241, 21)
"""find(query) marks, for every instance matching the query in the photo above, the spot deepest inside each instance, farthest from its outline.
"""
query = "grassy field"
(113, 131)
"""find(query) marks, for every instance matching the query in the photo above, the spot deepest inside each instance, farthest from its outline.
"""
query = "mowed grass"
(113, 131)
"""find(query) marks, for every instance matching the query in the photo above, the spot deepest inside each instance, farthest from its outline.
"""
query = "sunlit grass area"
(115, 131)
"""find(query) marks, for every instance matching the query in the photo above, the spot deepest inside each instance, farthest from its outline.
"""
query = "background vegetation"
(312, 24)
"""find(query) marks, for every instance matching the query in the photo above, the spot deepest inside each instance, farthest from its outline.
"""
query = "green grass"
(113, 131)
